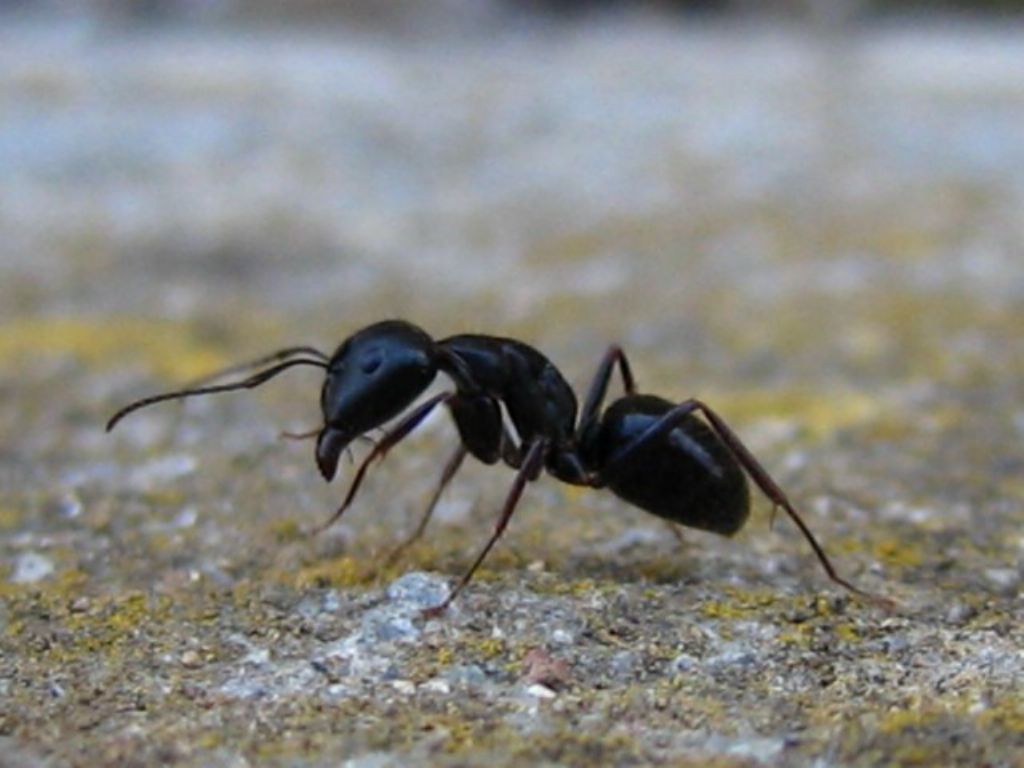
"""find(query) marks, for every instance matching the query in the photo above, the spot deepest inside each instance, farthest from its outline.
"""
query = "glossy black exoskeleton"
(681, 462)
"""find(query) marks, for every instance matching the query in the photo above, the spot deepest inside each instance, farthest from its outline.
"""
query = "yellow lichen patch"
(823, 606)
(898, 552)
(210, 739)
(722, 609)
(69, 583)
(424, 555)
(739, 604)
(901, 242)
(56, 589)
(573, 493)
(243, 592)
(846, 545)
(848, 633)
(814, 413)
(558, 586)
(115, 623)
(902, 719)
(9, 518)
(171, 349)
(1008, 715)
(799, 635)
(460, 734)
(164, 497)
(6, 588)
(491, 647)
(337, 572)
(499, 563)
(286, 529)
(1010, 486)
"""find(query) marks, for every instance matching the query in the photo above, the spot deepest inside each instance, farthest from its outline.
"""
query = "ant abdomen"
(687, 476)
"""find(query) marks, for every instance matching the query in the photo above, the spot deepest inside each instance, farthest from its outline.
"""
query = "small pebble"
(466, 674)
(539, 691)
(684, 662)
(550, 671)
(80, 604)
(163, 470)
(405, 687)
(561, 637)
(191, 660)
(31, 567)
(732, 655)
(372, 760)
(624, 664)
(960, 613)
(1004, 579)
(186, 518)
(387, 624)
(69, 505)
(419, 590)
(437, 685)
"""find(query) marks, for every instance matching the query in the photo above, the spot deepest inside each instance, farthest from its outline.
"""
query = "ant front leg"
(599, 386)
(386, 443)
(532, 465)
(674, 417)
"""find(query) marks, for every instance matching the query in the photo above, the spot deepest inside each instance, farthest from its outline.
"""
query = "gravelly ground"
(820, 235)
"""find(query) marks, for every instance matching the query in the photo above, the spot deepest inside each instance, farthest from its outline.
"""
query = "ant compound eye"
(371, 361)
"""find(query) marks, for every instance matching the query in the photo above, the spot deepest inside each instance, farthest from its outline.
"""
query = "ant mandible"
(653, 453)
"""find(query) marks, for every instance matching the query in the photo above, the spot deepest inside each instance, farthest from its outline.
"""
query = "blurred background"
(718, 177)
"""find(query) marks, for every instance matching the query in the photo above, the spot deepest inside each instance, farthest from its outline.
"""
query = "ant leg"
(532, 464)
(449, 472)
(599, 385)
(664, 425)
(390, 439)
(676, 531)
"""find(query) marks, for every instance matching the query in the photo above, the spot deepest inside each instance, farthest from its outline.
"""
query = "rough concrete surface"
(818, 232)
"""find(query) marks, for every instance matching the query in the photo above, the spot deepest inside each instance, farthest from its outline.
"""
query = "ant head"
(372, 377)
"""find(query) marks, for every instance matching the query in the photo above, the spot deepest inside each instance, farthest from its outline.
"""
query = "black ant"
(653, 453)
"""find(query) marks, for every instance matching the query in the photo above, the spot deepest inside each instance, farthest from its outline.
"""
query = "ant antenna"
(274, 357)
(249, 383)
(308, 435)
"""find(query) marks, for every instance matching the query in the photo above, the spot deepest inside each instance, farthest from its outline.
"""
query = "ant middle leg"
(508, 450)
(533, 462)
(447, 474)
